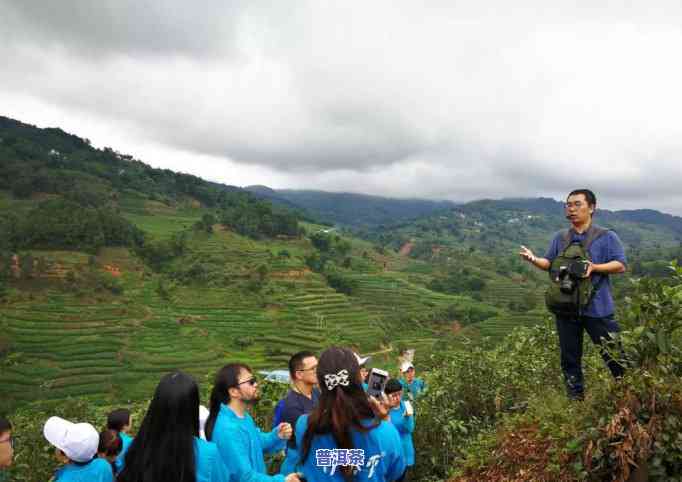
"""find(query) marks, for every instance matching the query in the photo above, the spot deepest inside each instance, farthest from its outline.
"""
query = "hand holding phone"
(376, 382)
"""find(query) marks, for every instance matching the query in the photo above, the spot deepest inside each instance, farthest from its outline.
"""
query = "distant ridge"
(351, 209)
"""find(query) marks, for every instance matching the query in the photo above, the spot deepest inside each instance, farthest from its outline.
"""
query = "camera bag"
(564, 302)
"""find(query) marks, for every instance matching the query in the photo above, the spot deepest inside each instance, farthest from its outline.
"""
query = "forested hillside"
(113, 272)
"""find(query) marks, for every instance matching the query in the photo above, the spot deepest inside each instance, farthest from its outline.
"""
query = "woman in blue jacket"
(348, 435)
(167, 447)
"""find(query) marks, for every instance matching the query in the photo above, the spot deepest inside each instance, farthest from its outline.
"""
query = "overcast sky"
(446, 99)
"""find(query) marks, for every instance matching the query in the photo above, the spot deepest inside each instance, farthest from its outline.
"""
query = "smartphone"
(376, 382)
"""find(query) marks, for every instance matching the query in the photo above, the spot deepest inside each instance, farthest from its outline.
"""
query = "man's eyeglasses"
(307, 369)
(251, 381)
(11, 441)
(576, 205)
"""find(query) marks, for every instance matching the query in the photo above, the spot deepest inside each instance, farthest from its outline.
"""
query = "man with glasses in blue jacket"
(606, 258)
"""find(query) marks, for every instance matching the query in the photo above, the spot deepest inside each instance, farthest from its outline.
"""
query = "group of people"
(329, 428)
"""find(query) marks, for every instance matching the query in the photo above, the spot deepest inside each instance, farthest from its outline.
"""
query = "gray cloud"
(125, 27)
(455, 100)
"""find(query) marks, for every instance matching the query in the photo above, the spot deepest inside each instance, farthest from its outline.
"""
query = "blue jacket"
(209, 463)
(405, 427)
(412, 391)
(241, 445)
(99, 470)
(380, 449)
(120, 460)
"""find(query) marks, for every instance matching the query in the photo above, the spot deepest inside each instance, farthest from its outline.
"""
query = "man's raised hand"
(527, 254)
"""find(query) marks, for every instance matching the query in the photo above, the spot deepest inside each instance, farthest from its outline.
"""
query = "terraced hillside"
(496, 328)
(227, 297)
(333, 315)
(390, 293)
(65, 341)
(506, 292)
(64, 348)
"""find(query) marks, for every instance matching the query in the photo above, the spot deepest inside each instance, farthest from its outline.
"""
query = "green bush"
(540, 435)
(342, 284)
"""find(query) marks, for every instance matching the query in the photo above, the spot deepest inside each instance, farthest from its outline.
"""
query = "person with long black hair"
(240, 442)
(167, 447)
(348, 436)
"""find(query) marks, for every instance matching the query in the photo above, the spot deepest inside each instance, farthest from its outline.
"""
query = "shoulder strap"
(593, 233)
(565, 240)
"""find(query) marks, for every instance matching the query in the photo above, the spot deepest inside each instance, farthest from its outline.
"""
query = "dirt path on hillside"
(381, 352)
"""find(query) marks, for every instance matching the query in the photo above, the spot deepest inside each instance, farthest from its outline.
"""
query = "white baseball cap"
(78, 441)
(361, 361)
(203, 416)
(404, 366)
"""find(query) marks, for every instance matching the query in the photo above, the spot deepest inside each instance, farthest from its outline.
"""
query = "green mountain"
(112, 272)
(502, 225)
(349, 209)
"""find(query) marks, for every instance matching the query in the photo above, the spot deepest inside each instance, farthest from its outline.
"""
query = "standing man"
(300, 400)
(606, 257)
(240, 442)
(412, 387)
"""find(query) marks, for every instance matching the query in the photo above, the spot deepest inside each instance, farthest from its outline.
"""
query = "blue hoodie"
(209, 463)
(98, 470)
(380, 448)
(241, 445)
(405, 427)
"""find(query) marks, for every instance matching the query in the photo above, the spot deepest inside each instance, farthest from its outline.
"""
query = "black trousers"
(601, 331)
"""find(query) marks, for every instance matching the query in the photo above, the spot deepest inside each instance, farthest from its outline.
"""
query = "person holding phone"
(348, 436)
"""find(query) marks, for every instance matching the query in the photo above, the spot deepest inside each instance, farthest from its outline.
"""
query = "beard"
(253, 400)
